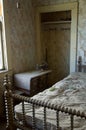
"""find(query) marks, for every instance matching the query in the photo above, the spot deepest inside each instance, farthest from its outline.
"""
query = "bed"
(61, 107)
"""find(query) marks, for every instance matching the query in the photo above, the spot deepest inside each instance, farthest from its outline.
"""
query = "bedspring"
(13, 124)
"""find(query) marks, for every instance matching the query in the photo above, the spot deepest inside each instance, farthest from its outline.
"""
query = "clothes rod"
(56, 22)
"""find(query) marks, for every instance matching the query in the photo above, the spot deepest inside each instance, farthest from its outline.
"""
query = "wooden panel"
(34, 86)
(56, 16)
(56, 50)
(42, 82)
(38, 84)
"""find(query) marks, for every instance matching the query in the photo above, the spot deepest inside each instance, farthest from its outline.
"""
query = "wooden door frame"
(73, 38)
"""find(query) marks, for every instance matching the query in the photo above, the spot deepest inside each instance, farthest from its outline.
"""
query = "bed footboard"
(13, 124)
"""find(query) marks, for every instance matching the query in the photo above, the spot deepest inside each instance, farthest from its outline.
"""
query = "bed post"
(8, 103)
(80, 64)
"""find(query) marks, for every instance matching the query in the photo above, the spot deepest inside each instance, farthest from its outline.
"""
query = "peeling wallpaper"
(82, 30)
(20, 31)
(19, 23)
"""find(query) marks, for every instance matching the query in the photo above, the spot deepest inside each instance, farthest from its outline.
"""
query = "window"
(1, 49)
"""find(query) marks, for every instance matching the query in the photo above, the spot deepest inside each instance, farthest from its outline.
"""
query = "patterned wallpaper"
(20, 32)
(82, 30)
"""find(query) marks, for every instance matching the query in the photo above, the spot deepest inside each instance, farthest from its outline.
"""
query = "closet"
(55, 43)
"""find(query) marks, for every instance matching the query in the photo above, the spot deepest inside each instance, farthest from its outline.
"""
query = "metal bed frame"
(13, 124)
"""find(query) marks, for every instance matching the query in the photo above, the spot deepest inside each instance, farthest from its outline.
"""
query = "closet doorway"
(56, 39)
(55, 43)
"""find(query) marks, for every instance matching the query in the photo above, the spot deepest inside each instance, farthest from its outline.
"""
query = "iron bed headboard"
(79, 68)
(12, 124)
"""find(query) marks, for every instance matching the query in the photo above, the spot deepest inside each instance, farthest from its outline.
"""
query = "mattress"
(69, 92)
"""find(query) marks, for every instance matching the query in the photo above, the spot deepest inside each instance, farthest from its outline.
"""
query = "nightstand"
(32, 82)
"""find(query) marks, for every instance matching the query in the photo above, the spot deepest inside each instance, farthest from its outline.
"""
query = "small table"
(32, 82)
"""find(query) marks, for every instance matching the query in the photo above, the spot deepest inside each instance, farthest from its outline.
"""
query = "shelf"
(56, 22)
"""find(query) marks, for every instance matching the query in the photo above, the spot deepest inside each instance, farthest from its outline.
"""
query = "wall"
(49, 2)
(0, 9)
(20, 33)
(19, 24)
(81, 35)
(82, 30)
